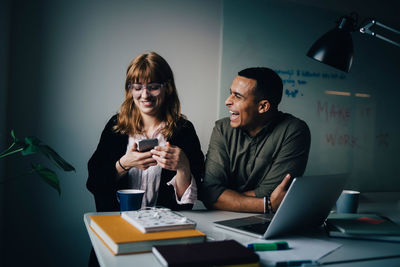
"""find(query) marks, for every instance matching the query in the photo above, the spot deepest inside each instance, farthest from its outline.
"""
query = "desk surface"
(350, 253)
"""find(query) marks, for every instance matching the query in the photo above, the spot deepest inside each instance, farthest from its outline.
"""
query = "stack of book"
(217, 253)
(121, 237)
(157, 220)
(362, 226)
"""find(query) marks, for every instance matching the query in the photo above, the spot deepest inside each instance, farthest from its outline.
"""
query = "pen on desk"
(297, 263)
(280, 245)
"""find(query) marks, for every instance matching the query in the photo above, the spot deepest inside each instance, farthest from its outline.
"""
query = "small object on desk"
(215, 253)
(297, 263)
(130, 199)
(347, 202)
(279, 245)
(364, 224)
(120, 237)
(157, 220)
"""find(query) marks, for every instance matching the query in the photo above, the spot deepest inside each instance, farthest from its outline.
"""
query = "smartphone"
(146, 144)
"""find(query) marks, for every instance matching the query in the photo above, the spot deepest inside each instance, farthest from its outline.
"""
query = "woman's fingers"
(146, 163)
(134, 147)
(164, 162)
(140, 160)
(169, 157)
(164, 152)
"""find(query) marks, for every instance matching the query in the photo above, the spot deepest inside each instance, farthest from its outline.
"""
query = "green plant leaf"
(13, 136)
(48, 176)
(57, 159)
(32, 140)
(31, 145)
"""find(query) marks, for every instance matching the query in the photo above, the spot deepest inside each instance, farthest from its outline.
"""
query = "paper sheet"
(300, 248)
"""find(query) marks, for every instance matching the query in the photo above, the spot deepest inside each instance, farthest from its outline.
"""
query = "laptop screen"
(306, 204)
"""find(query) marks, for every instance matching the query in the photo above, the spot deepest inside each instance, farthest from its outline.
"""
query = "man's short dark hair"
(269, 84)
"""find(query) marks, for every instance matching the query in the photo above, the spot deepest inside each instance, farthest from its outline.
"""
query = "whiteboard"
(353, 117)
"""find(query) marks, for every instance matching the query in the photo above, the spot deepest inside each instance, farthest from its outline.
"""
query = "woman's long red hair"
(149, 67)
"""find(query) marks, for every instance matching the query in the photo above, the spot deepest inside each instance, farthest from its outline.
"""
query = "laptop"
(306, 205)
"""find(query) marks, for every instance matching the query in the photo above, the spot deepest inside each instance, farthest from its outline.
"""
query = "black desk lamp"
(335, 48)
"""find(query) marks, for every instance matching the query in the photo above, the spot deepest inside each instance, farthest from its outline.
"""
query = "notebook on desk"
(306, 205)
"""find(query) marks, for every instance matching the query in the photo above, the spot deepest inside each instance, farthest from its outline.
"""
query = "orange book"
(122, 238)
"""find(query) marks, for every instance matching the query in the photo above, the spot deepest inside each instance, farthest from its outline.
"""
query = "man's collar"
(270, 124)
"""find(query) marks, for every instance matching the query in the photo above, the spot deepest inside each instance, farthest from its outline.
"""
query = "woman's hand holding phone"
(140, 160)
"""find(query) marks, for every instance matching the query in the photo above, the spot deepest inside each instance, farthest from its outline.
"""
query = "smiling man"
(255, 152)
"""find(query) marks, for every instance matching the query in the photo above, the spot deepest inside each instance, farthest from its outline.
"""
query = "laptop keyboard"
(258, 228)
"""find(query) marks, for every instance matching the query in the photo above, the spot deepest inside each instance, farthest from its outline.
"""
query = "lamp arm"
(366, 29)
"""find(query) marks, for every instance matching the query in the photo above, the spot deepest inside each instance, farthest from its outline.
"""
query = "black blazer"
(112, 146)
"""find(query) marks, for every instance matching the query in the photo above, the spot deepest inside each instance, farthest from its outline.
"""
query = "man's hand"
(247, 202)
(242, 202)
(279, 193)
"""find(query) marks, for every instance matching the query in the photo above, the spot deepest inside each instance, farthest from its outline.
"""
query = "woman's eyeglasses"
(153, 89)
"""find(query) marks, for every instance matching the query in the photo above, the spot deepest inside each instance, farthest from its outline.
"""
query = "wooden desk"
(350, 254)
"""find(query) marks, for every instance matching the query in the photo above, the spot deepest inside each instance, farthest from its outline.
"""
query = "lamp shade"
(335, 48)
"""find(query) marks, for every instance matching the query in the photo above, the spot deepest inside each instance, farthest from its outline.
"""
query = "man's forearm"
(233, 201)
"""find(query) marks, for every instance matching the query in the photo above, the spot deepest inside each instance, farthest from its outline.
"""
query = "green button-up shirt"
(235, 160)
